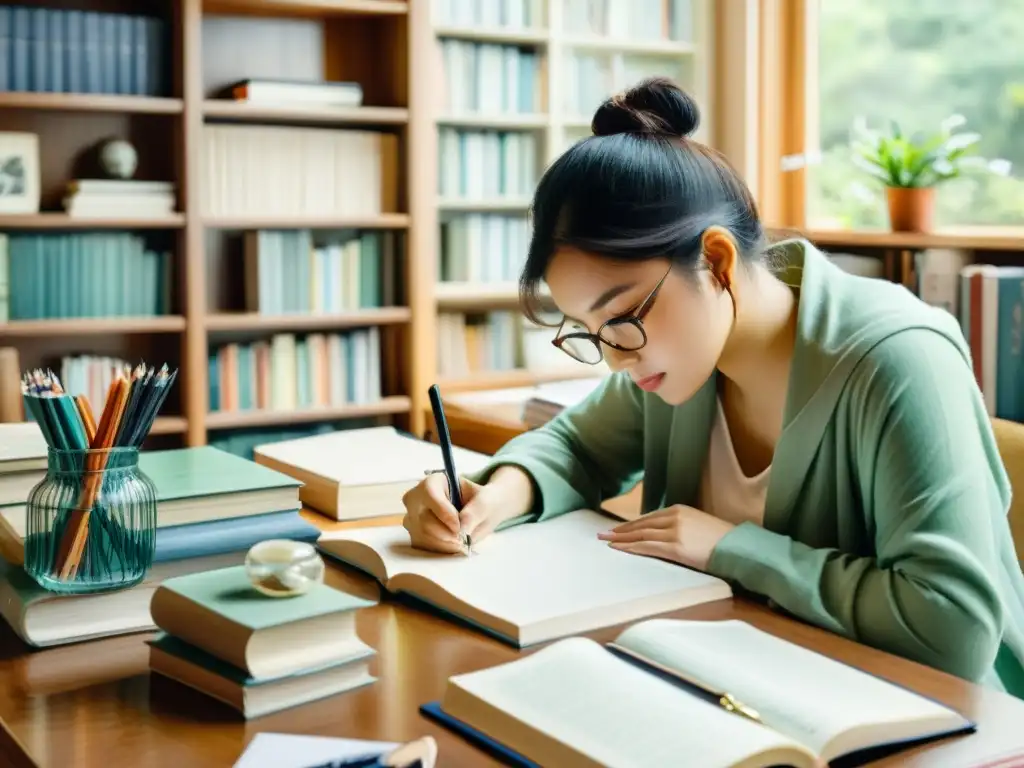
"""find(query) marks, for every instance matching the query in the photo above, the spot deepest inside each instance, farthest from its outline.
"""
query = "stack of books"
(212, 506)
(257, 654)
(22, 466)
(119, 198)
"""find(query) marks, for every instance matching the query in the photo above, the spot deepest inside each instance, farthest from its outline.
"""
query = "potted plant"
(912, 166)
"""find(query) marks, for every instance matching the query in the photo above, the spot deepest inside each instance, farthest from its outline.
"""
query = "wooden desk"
(95, 705)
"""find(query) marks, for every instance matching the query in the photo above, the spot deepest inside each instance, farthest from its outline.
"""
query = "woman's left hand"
(679, 533)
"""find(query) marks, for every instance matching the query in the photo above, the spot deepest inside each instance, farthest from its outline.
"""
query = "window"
(918, 62)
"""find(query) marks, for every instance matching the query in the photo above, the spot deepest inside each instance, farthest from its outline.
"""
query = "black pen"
(445, 440)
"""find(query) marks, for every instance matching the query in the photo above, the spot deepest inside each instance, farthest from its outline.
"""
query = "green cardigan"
(886, 511)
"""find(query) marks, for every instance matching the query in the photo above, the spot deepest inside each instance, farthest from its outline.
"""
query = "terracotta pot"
(911, 209)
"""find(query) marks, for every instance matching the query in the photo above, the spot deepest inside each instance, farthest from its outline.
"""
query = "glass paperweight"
(283, 568)
(91, 522)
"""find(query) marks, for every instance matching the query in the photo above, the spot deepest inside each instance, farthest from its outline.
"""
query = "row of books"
(591, 77)
(489, 14)
(489, 79)
(74, 51)
(477, 164)
(988, 301)
(641, 20)
(267, 170)
(94, 274)
(991, 313)
(290, 372)
(289, 271)
(90, 375)
(483, 247)
(468, 344)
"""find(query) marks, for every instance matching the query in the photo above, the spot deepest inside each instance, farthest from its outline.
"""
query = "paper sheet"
(284, 750)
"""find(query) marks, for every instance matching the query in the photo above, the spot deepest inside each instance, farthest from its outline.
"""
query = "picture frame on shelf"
(19, 173)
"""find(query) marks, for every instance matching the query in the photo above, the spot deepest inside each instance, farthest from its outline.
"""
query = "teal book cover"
(227, 592)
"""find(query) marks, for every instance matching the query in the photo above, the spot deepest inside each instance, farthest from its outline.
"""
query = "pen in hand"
(445, 441)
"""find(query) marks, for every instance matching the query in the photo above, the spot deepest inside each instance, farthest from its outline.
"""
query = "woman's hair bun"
(655, 106)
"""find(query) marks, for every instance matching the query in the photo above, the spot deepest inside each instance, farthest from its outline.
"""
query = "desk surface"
(94, 704)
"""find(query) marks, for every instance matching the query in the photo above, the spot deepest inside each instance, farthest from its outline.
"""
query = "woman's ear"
(720, 252)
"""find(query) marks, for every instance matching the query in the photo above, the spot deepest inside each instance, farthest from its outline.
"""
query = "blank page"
(581, 695)
(536, 572)
(799, 692)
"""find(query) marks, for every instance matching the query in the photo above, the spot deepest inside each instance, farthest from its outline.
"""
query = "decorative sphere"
(283, 568)
(119, 159)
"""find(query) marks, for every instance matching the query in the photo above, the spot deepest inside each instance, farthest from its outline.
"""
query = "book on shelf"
(119, 198)
(257, 653)
(299, 271)
(269, 170)
(725, 690)
(92, 274)
(489, 78)
(476, 343)
(487, 14)
(297, 93)
(529, 583)
(343, 475)
(991, 304)
(297, 371)
(486, 248)
(487, 164)
(78, 51)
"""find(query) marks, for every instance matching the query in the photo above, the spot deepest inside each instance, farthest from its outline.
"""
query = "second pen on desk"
(445, 440)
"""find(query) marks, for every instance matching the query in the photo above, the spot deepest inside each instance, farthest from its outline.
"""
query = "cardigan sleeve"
(591, 451)
(934, 491)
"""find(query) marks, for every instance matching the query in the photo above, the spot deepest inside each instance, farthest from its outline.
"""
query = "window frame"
(787, 132)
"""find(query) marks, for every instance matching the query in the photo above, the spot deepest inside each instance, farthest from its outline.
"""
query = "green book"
(175, 659)
(221, 613)
(199, 485)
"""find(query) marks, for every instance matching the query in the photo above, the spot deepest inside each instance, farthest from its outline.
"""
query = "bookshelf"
(521, 79)
(395, 194)
(224, 159)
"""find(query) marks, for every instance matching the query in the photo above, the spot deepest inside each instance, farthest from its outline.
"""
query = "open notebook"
(530, 583)
(652, 697)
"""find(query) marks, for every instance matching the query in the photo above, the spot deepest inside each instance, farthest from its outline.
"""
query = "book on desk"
(257, 654)
(345, 475)
(530, 583)
(666, 690)
(211, 507)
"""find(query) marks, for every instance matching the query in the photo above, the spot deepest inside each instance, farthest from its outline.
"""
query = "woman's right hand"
(433, 522)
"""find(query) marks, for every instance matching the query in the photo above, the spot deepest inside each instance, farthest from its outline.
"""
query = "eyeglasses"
(622, 333)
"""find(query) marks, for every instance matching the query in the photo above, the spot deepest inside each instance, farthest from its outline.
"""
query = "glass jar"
(91, 522)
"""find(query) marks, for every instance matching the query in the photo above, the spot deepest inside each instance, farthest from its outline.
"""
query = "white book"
(660, 694)
(359, 473)
(532, 582)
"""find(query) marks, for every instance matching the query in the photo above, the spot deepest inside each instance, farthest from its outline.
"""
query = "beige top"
(725, 491)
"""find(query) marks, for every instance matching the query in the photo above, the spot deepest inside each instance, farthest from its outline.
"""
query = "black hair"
(638, 189)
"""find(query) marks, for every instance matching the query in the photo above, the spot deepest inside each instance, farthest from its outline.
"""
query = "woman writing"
(807, 434)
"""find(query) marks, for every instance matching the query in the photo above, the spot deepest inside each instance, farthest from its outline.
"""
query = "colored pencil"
(67, 422)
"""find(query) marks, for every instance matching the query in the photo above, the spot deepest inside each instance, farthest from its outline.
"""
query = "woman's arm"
(930, 470)
(590, 452)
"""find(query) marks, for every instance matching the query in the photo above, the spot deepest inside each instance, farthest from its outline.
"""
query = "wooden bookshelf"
(555, 118)
(973, 239)
(384, 45)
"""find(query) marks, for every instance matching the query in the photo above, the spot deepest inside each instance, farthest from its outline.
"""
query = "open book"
(654, 697)
(532, 582)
